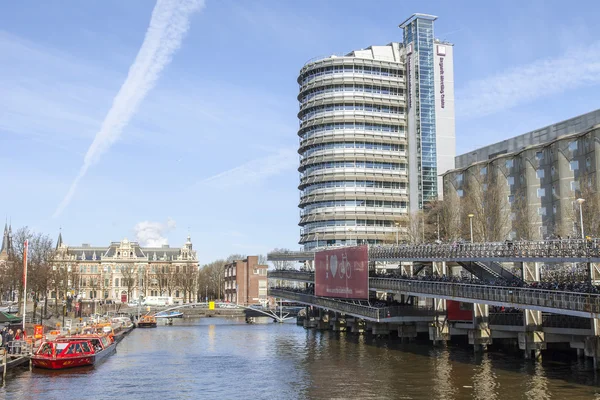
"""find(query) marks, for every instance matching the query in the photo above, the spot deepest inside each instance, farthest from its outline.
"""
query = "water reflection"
(485, 380)
(442, 377)
(218, 358)
(537, 383)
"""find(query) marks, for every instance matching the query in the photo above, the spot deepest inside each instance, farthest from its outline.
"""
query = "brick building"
(246, 281)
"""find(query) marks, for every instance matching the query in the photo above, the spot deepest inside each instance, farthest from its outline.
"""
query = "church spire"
(59, 241)
(5, 239)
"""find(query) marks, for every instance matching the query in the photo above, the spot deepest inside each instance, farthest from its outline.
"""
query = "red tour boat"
(73, 351)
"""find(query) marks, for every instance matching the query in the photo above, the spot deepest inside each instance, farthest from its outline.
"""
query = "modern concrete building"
(376, 127)
(246, 282)
(534, 181)
(124, 271)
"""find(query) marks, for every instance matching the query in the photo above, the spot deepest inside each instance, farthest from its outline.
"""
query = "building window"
(554, 209)
(510, 180)
(116, 282)
(485, 186)
(588, 162)
(483, 171)
(509, 163)
(511, 198)
(105, 282)
(539, 155)
(460, 193)
(574, 165)
(541, 210)
(574, 185)
(541, 192)
(573, 145)
(513, 216)
(543, 230)
(459, 178)
(552, 170)
(553, 190)
(539, 173)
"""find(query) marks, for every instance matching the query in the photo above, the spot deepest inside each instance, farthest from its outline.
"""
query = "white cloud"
(168, 25)
(523, 84)
(255, 170)
(152, 234)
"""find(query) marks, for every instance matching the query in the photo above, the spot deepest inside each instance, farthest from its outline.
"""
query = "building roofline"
(530, 147)
(417, 16)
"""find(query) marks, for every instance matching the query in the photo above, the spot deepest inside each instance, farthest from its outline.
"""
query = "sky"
(112, 130)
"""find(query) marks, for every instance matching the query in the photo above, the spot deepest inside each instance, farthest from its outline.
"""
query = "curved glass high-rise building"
(355, 132)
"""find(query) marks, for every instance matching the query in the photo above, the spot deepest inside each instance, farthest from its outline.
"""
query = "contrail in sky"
(168, 25)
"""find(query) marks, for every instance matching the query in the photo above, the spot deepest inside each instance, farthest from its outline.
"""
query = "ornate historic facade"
(125, 271)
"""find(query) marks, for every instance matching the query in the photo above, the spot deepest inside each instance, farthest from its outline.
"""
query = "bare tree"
(128, 279)
(486, 199)
(41, 256)
(278, 265)
(525, 219)
(187, 279)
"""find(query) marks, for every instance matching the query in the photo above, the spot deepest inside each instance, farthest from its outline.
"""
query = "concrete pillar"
(532, 341)
(406, 268)
(480, 337)
(530, 271)
(439, 330)
(323, 321)
(359, 326)
(440, 268)
(592, 343)
(594, 270)
(338, 323)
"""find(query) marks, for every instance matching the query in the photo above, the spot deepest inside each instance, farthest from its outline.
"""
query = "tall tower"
(353, 158)
(376, 130)
(430, 109)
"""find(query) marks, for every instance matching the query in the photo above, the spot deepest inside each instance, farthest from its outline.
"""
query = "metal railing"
(571, 250)
(565, 321)
(357, 310)
(295, 275)
(569, 303)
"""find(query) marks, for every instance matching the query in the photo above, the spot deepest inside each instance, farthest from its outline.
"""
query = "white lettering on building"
(442, 95)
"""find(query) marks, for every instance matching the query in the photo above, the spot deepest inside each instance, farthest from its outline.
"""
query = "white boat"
(169, 314)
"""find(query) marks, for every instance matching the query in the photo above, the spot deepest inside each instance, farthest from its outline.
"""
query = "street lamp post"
(350, 234)
(471, 225)
(580, 201)
(397, 229)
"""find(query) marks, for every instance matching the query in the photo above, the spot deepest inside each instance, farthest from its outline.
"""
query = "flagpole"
(25, 281)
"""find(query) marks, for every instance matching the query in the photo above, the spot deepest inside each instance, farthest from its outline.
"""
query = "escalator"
(489, 270)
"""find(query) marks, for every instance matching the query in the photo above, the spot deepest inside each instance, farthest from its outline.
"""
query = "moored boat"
(73, 351)
(147, 321)
(169, 314)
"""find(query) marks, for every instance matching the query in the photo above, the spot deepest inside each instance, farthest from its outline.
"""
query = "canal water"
(214, 358)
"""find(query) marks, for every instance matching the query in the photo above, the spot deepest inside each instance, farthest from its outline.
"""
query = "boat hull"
(146, 325)
(72, 362)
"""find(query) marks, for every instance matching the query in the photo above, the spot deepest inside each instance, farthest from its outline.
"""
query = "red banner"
(342, 273)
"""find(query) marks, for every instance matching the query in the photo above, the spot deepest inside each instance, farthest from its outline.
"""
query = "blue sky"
(211, 147)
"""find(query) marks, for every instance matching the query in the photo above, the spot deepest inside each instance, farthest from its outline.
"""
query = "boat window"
(46, 349)
(71, 350)
(85, 346)
(78, 348)
(60, 347)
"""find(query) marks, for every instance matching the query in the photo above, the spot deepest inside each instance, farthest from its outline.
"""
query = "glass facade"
(419, 32)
